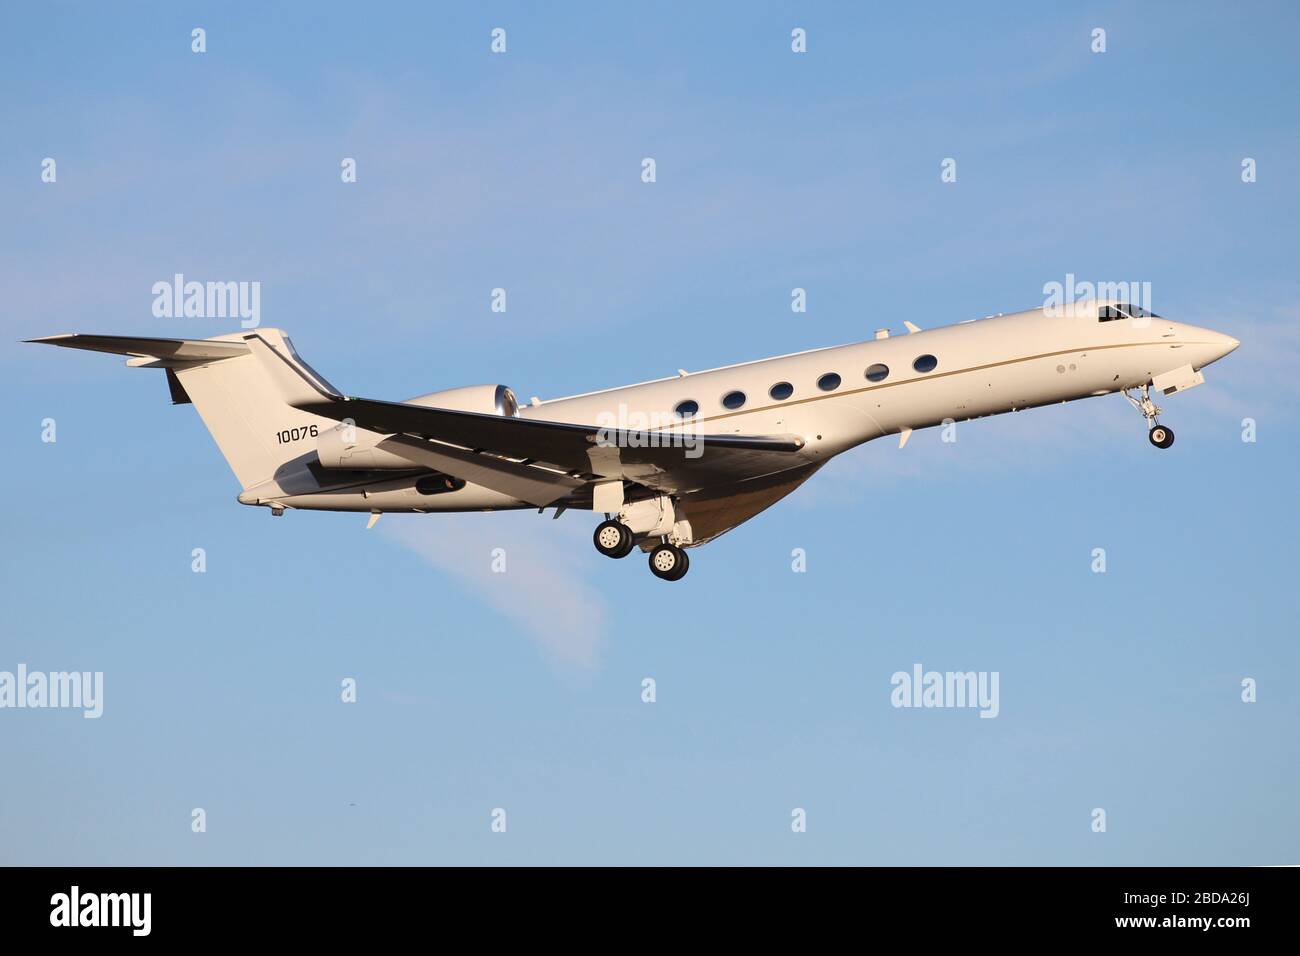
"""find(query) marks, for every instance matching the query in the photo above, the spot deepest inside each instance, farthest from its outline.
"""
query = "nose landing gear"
(1162, 436)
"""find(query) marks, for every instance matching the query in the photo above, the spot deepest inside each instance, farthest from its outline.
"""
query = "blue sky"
(523, 690)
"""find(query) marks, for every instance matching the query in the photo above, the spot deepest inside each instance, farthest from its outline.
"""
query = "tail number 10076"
(295, 434)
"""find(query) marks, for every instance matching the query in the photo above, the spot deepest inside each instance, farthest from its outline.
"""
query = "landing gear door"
(1177, 380)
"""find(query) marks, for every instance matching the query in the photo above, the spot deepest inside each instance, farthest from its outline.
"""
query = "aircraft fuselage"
(984, 367)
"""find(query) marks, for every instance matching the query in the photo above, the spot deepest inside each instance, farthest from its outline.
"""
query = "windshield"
(1109, 313)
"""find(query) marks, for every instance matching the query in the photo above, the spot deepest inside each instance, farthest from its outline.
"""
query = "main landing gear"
(669, 562)
(615, 540)
(1162, 436)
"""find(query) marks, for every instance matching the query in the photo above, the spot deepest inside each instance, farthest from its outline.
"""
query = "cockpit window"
(1108, 313)
(1137, 312)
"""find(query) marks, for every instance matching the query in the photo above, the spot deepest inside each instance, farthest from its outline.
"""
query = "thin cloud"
(563, 614)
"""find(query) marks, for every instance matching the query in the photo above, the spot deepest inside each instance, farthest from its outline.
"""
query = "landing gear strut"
(613, 539)
(1162, 436)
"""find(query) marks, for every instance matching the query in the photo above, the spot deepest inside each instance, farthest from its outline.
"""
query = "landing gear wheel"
(1162, 436)
(613, 539)
(686, 564)
(669, 562)
(628, 545)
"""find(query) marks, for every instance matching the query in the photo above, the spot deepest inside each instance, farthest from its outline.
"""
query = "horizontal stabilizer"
(176, 350)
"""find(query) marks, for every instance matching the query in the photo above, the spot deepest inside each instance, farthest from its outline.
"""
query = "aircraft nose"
(1211, 344)
(1224, 344)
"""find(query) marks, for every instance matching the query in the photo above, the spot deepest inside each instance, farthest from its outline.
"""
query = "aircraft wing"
(534, 485)
(654, 459)
(649, 458)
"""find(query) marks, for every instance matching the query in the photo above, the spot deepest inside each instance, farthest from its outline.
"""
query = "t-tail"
(255, 429)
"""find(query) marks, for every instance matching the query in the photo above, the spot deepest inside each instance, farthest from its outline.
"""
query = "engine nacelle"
(484, 399)
(348, 446)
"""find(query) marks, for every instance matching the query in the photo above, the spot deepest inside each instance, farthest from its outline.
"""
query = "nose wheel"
(1162, 436)
(669, 562)
(613, 539)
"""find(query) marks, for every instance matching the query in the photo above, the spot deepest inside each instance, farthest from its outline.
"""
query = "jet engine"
(485, 399)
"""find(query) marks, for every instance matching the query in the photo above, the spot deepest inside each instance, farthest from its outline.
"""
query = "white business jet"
(673, 463)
